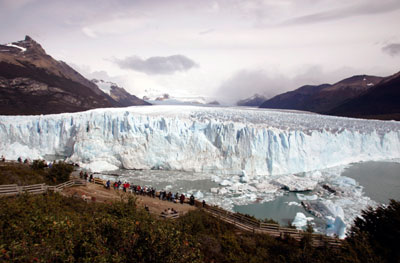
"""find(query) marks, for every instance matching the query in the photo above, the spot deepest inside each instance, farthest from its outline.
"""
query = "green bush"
(59, 172)
(375, 236)
(38, 164)
(52, 228)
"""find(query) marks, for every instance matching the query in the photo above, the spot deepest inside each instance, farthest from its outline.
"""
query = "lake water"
(380, 182)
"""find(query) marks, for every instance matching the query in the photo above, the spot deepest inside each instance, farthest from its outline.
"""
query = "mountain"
(32, 82)
(118, 94)
(254, 101)
(325, 97)
(380, 102)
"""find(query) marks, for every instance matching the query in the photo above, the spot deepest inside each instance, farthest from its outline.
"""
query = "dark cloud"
(392, 49)
(368, 8)
(157, 65)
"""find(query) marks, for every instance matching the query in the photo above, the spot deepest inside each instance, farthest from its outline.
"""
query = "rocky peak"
(31, 45)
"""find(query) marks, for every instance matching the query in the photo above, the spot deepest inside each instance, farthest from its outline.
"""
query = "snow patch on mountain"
(21, 48)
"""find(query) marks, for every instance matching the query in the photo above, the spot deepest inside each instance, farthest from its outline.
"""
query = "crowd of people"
(145, 191)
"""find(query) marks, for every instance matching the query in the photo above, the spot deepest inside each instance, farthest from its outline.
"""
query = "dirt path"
(104, 195)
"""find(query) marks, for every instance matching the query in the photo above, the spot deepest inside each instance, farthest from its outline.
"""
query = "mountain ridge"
(32, 82)
(326, 98)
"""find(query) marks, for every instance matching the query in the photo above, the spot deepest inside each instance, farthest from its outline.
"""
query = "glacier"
(225, 141)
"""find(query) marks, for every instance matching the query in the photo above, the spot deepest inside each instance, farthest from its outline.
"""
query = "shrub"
(59, 172)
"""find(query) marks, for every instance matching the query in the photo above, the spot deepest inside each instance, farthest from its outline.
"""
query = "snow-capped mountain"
(119, 94)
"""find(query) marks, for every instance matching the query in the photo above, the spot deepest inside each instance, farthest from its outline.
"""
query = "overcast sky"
(228, 49)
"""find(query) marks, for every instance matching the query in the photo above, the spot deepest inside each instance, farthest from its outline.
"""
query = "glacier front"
(225, 141)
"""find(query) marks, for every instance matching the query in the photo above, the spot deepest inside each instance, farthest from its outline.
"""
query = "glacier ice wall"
(201, 139)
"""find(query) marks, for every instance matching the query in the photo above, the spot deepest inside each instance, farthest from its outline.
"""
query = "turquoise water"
(380, 180)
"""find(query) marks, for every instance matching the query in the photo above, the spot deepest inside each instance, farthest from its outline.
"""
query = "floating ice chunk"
(168, 187)
(335, 226)
(266, 187)
(296, 183)
(300, 221)
(198, 195)
(244, 178)
(225, 183)
(345, 181)
(99, 166)
(214, 190)
(222, 191)
(336, 210)
(293, 203)
(216, 179)
(303, 197)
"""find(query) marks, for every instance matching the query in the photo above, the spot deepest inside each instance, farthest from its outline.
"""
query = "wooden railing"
(253, 225)
(13, 189)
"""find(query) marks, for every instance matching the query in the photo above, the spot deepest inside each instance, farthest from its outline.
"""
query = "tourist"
(91, 178)
(81, 175)
(19, 160)
(86, 176)
(108, 184)
(191, 199)
(182, 198)
(204, 203)
(124, 187)
(3, 159)
(115, 185)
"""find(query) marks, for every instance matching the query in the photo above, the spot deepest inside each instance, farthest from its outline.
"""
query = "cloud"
(89, 32)
(366, 8)
(157, 65)
(245, 83)
(392, 49)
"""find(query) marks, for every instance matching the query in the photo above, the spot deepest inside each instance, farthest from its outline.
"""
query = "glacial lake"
(380, 182)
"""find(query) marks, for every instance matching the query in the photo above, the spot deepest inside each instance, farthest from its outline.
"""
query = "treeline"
(53, 228)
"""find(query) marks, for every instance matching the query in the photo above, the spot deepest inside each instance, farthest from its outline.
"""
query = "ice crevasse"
(201, 139)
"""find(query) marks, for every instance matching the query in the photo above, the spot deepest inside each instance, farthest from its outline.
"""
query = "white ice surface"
(300, 221)
(204, 139)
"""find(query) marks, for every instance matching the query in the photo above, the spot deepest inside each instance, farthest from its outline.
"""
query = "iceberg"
(223, 141)
(296, 183)
(336, 227)
(300, 221)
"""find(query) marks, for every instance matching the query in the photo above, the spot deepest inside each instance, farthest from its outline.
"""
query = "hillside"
(253, 101)
(322, 98)
(119, 94)
(32, 82)
(379, 102)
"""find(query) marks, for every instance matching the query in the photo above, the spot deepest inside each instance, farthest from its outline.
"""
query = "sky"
(223, 49)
